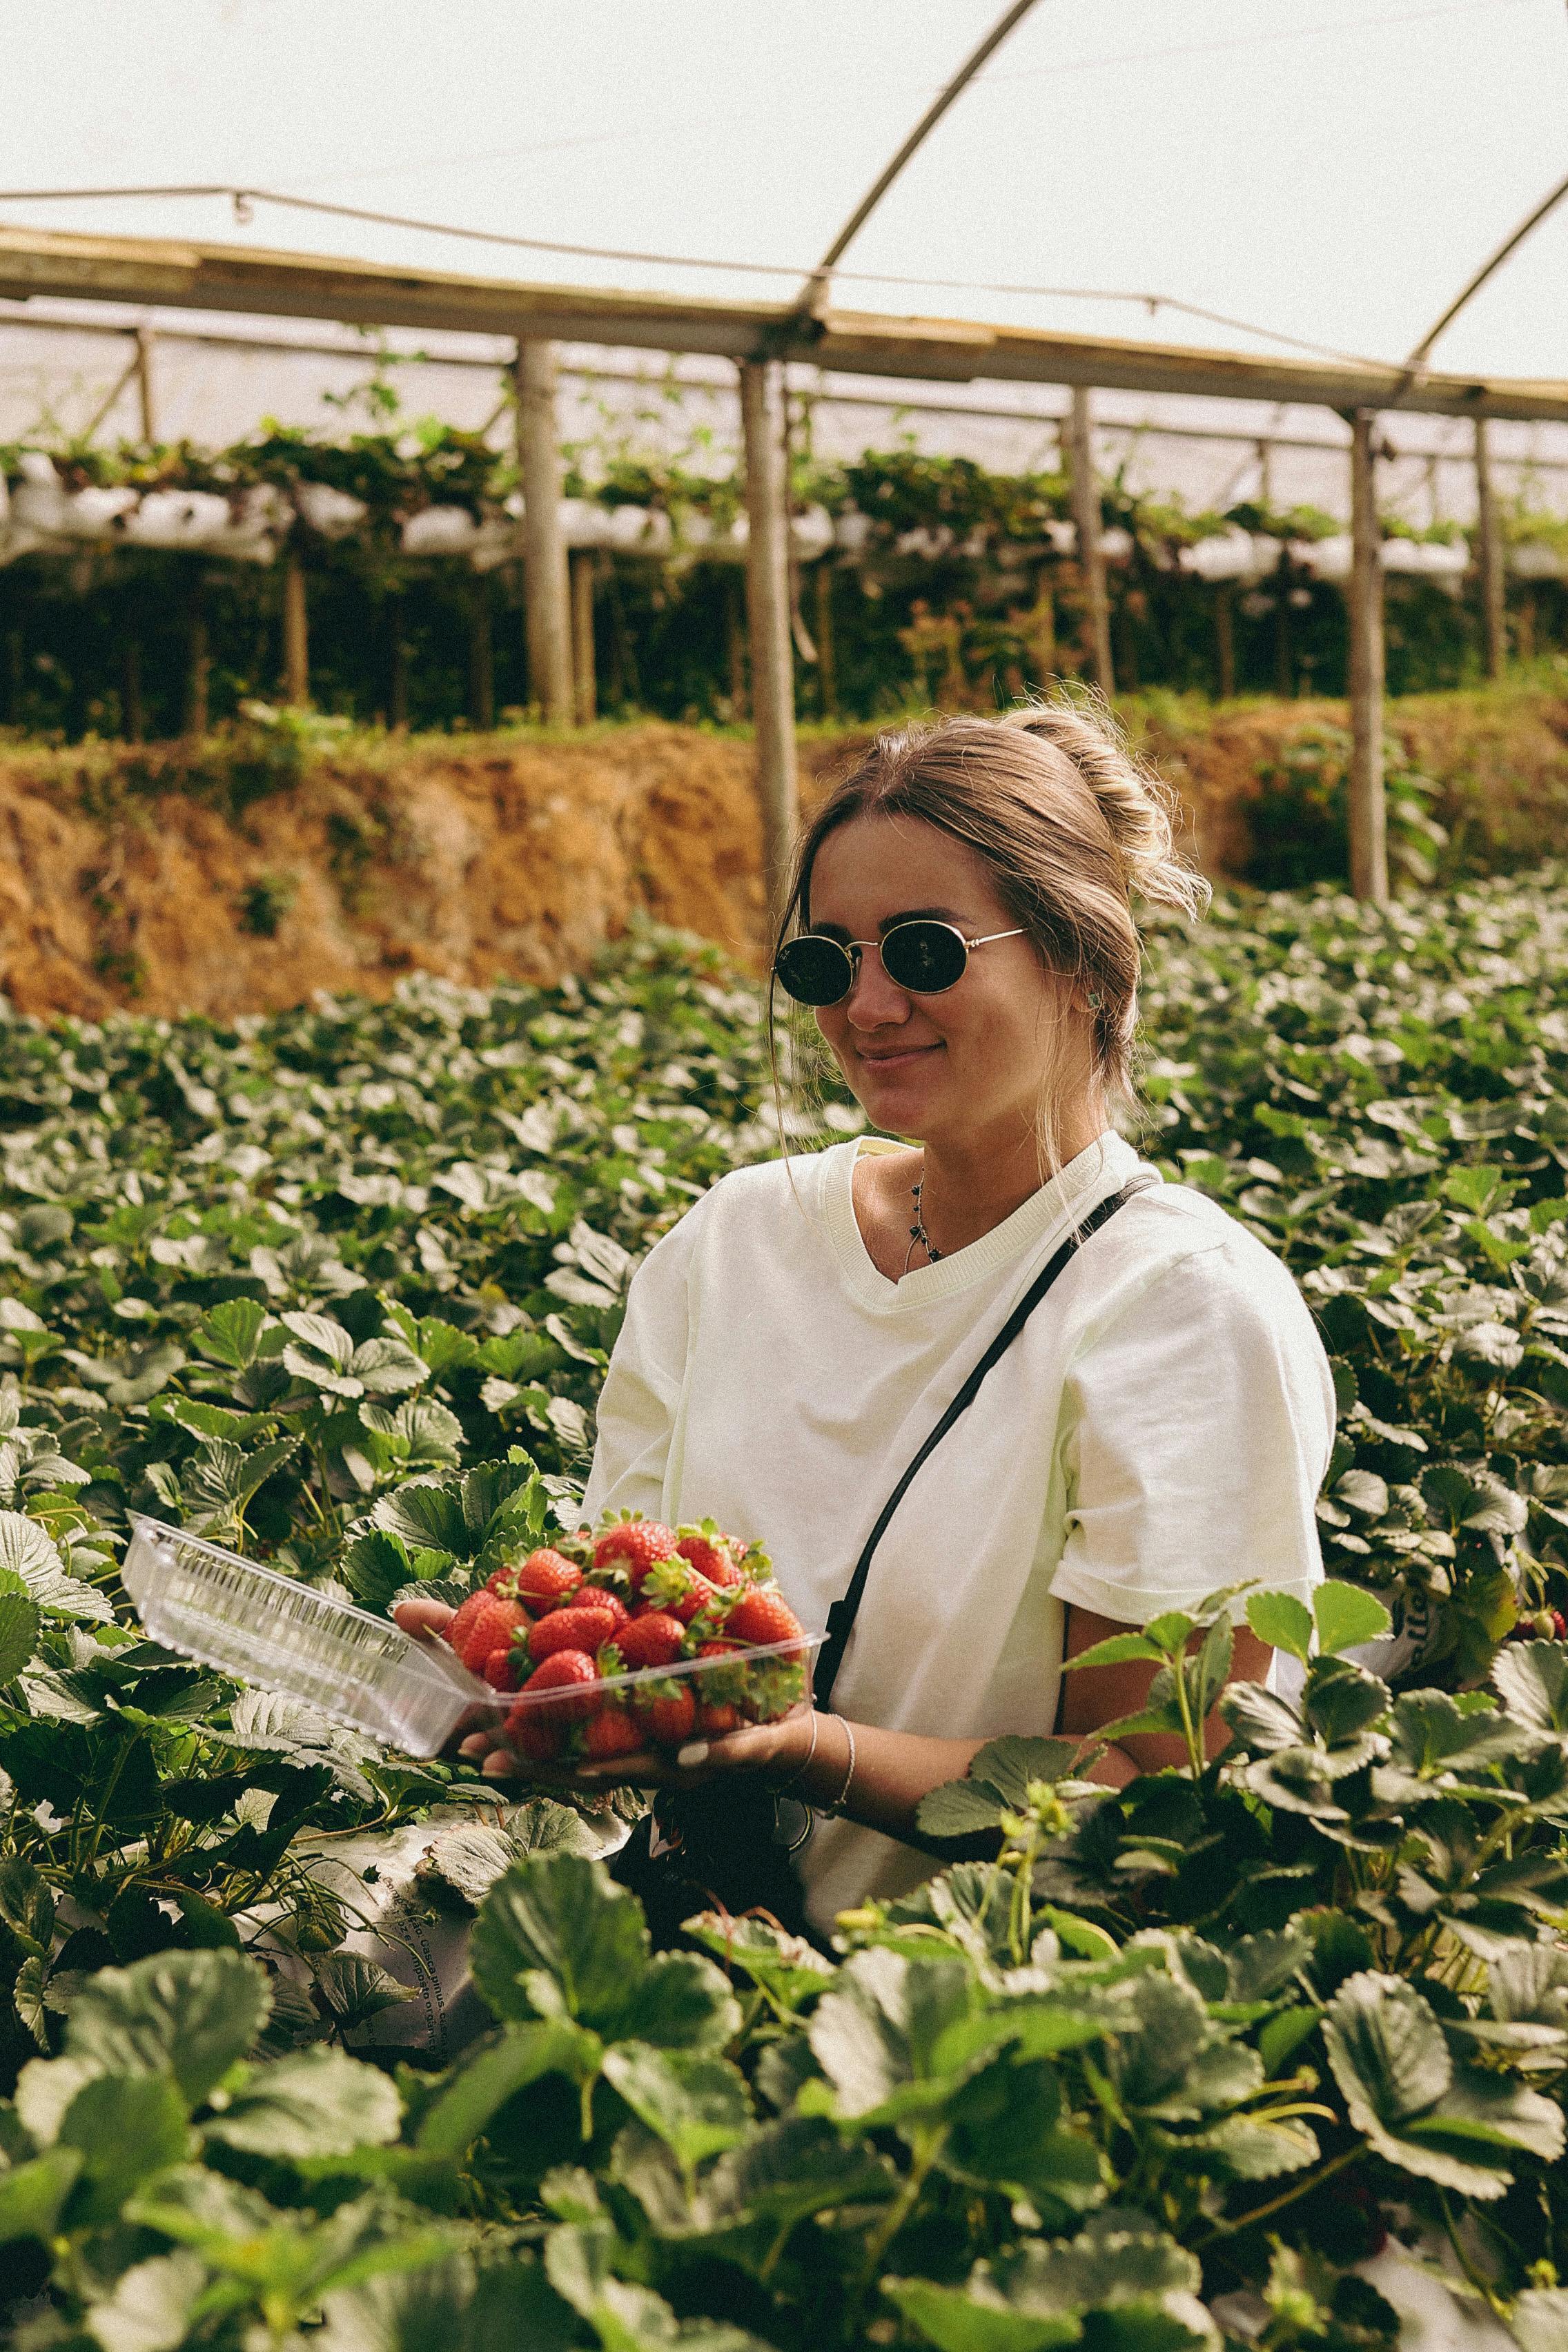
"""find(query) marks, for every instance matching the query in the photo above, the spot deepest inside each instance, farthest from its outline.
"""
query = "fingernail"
(694, 1752)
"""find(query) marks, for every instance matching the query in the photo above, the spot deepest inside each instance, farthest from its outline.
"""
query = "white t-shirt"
(1160, 1428)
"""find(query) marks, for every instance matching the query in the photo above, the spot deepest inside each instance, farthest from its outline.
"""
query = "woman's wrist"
(827, 1773)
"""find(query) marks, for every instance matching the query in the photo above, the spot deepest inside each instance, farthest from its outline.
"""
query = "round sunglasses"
(921, 955)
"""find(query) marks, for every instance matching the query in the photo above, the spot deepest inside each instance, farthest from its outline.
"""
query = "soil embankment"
(170, 882)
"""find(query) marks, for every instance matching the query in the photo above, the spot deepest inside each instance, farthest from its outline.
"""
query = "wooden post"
(1368, 825)
(548, 614)
(768, 614)
(735, 643)
(1090, 561)
(296, 636)
(198, 665)
(481, 659)
(822, 615)
(145, 384)
(1225, 636)
(585, 563)
(1488, 560)
(1284, 666)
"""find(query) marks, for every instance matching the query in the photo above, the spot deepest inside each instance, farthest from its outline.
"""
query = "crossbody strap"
(842, 1615)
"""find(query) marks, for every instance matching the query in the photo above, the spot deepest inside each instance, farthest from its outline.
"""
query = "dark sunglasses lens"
(814, 971)
(925, 958)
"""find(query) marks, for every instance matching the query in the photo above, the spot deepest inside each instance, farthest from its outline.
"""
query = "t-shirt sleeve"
(1195, 1434)
(640, 1401)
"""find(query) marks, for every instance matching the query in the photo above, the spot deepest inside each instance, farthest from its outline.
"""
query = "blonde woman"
(961, 925)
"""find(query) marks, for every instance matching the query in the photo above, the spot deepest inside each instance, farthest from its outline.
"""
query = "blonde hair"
(1071, 828)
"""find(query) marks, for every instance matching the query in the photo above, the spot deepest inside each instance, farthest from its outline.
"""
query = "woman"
(1161, 1424)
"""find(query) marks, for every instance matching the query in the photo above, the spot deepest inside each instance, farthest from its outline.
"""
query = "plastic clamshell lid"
(276, 1634)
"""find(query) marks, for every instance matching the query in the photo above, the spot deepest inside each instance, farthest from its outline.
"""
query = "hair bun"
(1138, 806)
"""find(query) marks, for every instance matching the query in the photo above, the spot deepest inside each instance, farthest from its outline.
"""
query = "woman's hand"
(777, 1749)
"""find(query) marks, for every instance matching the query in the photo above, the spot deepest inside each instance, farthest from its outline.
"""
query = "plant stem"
(1278, 2204)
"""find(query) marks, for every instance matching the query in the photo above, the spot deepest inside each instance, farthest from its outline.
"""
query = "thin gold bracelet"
(783, 1788)
(842, 1798)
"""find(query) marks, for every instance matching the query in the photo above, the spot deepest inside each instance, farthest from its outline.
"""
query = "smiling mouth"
(904, 1053)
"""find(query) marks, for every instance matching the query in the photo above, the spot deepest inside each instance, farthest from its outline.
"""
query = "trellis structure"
(761, 338)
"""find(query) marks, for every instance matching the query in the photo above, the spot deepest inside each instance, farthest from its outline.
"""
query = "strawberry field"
(1185, 2067)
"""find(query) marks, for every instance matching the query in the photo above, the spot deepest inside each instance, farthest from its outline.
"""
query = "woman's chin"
(900, 1082)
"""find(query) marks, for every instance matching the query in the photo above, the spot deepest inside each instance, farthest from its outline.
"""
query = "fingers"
(418, 1617)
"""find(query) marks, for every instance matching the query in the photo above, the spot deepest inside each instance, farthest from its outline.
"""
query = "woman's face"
(975, 1058)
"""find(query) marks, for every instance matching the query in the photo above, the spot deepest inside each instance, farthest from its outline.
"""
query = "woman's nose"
(874, 1000)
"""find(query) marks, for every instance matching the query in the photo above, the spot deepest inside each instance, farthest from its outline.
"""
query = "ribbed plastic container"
(274, 1634)
(763, 1681)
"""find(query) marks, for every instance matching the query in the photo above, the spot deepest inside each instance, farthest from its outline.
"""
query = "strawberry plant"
(337, 1287)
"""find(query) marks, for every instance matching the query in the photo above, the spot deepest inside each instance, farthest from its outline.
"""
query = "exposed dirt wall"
(125, 881)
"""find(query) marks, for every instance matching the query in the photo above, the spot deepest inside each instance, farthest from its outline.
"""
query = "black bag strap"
(842, 1615)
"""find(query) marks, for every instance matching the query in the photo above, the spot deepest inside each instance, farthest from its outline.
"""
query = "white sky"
(1332, 169)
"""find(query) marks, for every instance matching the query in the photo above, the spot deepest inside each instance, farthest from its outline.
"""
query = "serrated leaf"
(318, 2102)
(697, 2105)
(1281, 1621)
(189, 2013)
(19, 1623)
(151, 2307)
(124, 2127)
(229, 1331)
(558, 1927)
(1346, 1616)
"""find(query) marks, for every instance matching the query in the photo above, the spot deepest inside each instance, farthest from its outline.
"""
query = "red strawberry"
(1559, 1626)
(612, 1732)
(716, 1719)
(585, 1628)
(634, 1545)
(708, 1553)
(652, 1638)
(500, 1669)
(674, 1585)
(599, 1596)
(763, 1615)
(666, 1711)
(490, 1628)
(544, 1579)
(462, 1623)
(539, 1727)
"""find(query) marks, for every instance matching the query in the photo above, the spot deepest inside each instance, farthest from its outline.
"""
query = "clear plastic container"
(762, 1680)
(276, 1634)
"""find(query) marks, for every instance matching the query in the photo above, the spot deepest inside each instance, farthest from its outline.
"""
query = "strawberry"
(599, 1596)
(716, 1718)
(708, 1553)
(490, 1628)
(1559, 1626)
(666, 1711)
(540, 1730)
(500, 1669)
(674, 1585)
(652, 1638)
(584, 1628)
(546, 1579)
(634, 1545)
(612, 1732)
(458, 1632)
(762, 1615)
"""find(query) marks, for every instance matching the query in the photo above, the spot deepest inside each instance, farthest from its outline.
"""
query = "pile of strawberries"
(681, 1612)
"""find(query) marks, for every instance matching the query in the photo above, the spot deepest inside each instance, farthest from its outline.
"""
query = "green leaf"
(32, 2194)
(698, 2105)
(192, 2013)
(19, 1623)
(958, 2319)
(1539, 2319)
(229, 1331)
(1118, 1650)
(680, 2002)
(1391, 2062)
(1281, 1621)
(1348, 1615)
(556, 1935)
(151, 2305)
(1531, 1680)
(482, 2084)
(318, 2102)
(878, 2035)
(124, 2127)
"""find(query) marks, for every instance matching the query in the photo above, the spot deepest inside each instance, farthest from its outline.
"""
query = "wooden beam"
(1368, 822)
(1085, 486)
(190, 274)
(1488, 560)
(768, 617)
(548, 617)
(149, 414)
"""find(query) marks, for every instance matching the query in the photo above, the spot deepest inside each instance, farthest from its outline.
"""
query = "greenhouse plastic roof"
(1326, 171)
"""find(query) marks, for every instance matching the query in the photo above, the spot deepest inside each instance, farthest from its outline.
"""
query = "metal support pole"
(549, 618)
(1090, 561)
(585, 564)
(768, 614)
(145, 384)
(1368, 825)
(1489, 558)
(296, 636)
